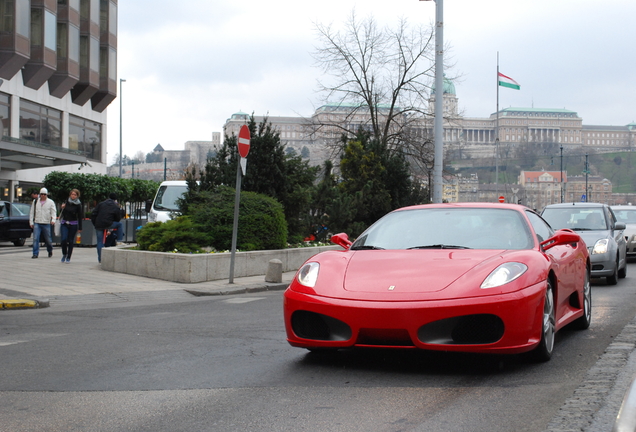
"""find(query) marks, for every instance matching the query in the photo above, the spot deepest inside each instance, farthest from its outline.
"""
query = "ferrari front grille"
(384, 337)
(463, 330)
(315, 326)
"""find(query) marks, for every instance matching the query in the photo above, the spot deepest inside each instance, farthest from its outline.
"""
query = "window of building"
(49, 30)
(40, 124)
(86, 136)
(22, 17)
(5, 114)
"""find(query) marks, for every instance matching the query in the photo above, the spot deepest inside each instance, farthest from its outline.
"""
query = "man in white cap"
(41, 218)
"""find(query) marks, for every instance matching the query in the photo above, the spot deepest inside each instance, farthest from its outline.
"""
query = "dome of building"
(240, 116)
(449, 87)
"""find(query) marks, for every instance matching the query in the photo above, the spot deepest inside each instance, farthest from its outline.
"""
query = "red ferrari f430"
(470, 277)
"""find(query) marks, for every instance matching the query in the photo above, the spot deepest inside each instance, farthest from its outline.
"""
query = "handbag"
(57, 229)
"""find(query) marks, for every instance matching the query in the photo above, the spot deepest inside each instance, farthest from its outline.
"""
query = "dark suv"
(14, 222)
(597, 225)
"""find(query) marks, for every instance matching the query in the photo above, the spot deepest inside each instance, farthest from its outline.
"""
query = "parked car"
(627, 215)
(471, 277)
(164, 204)
(14, 222)
(603, 234)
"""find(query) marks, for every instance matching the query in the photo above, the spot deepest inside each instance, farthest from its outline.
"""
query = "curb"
(23, 304)
(238, 290)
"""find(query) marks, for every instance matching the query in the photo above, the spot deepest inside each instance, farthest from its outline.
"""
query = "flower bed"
(193, 268)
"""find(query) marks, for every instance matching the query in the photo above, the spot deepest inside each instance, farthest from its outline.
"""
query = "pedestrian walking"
(42, 218)
(71, 223)
(106, 214)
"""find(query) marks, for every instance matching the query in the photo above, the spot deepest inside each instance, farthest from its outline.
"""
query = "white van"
(165, 201)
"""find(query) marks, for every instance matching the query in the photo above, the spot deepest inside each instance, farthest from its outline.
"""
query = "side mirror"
(619, 226)
(148, 205)
(561, 237)
(341, 239)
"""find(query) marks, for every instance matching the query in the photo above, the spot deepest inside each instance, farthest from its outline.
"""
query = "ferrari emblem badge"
(392, 287)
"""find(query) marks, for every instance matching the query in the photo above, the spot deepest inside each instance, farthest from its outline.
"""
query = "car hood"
(412, 271)
(591, 237)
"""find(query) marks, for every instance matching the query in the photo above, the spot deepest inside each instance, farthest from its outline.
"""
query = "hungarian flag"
(506, 81)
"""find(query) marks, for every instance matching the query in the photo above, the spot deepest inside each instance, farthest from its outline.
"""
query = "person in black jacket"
(71, 223)
(104, 216)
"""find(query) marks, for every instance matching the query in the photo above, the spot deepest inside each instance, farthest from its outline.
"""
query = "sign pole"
(237, 201)
(243, 144)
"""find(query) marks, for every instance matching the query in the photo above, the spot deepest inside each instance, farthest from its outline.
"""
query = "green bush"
(210, 221)
(177, 235)
(261, 224)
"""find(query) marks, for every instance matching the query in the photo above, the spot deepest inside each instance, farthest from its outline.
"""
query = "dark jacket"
(73, 212)
(105, 214)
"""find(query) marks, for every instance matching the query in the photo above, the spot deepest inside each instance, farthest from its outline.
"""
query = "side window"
(540, 226)
(612, 216)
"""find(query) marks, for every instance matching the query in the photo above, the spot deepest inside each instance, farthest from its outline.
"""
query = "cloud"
(189, 65)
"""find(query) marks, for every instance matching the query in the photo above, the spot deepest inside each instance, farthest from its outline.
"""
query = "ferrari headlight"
(503, 274)
(308, 274)
(601, 247)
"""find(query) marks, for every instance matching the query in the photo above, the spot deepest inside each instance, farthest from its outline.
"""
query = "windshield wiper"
(367, 247)
(439, 246)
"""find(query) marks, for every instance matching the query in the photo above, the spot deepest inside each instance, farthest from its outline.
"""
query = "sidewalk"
(46, 281)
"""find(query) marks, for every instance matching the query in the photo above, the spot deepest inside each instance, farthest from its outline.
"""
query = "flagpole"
(497, 135)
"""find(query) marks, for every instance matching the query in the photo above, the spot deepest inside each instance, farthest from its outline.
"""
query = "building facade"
(58, 74)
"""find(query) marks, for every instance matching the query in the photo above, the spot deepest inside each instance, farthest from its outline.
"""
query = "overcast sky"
(190, 65)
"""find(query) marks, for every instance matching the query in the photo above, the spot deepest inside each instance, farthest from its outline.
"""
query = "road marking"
(12, 343)
(28, 337)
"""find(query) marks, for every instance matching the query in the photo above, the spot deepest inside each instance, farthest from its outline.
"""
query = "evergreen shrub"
(209, 222)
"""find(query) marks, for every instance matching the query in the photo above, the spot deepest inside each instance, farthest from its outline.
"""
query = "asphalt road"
(222, 364)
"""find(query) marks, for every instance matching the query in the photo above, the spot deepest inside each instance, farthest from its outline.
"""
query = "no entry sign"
(244, 141)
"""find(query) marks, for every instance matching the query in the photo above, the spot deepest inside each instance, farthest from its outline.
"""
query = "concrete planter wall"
(193, 268)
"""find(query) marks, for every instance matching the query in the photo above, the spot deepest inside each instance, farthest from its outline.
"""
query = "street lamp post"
(121, 80)
(438, 128)
(561, 173)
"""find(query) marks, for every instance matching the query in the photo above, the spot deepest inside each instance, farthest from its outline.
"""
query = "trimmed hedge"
(210, 220)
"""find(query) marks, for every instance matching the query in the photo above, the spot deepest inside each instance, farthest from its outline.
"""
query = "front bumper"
(507, 323)
(602, 264)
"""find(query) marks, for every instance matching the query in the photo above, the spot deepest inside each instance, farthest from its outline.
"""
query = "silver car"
(602, 233)
(627, 215)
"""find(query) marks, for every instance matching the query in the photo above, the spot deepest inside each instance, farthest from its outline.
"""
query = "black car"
(14, 222)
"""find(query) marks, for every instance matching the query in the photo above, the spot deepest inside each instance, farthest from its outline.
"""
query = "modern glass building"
(58, 74)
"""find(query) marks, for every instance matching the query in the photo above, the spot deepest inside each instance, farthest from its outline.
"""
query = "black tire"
(19, 242)
(613, 279)
(622, 273)
(543, 352)
(584, 322)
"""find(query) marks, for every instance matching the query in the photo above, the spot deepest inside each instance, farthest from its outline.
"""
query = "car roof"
(577, 204)
(517, 207)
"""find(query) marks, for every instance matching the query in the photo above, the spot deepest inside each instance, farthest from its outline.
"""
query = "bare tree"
(378, 79)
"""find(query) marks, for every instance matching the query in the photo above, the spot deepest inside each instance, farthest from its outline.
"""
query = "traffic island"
(195, 268)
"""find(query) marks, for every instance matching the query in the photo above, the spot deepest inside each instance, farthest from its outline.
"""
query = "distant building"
(171, 164)
(542, 188)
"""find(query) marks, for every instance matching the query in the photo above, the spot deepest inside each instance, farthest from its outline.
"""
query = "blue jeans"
(100, 237)
(68, 233)
(45, 229)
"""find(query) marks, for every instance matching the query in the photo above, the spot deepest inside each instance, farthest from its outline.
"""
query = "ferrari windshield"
(448, 228)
